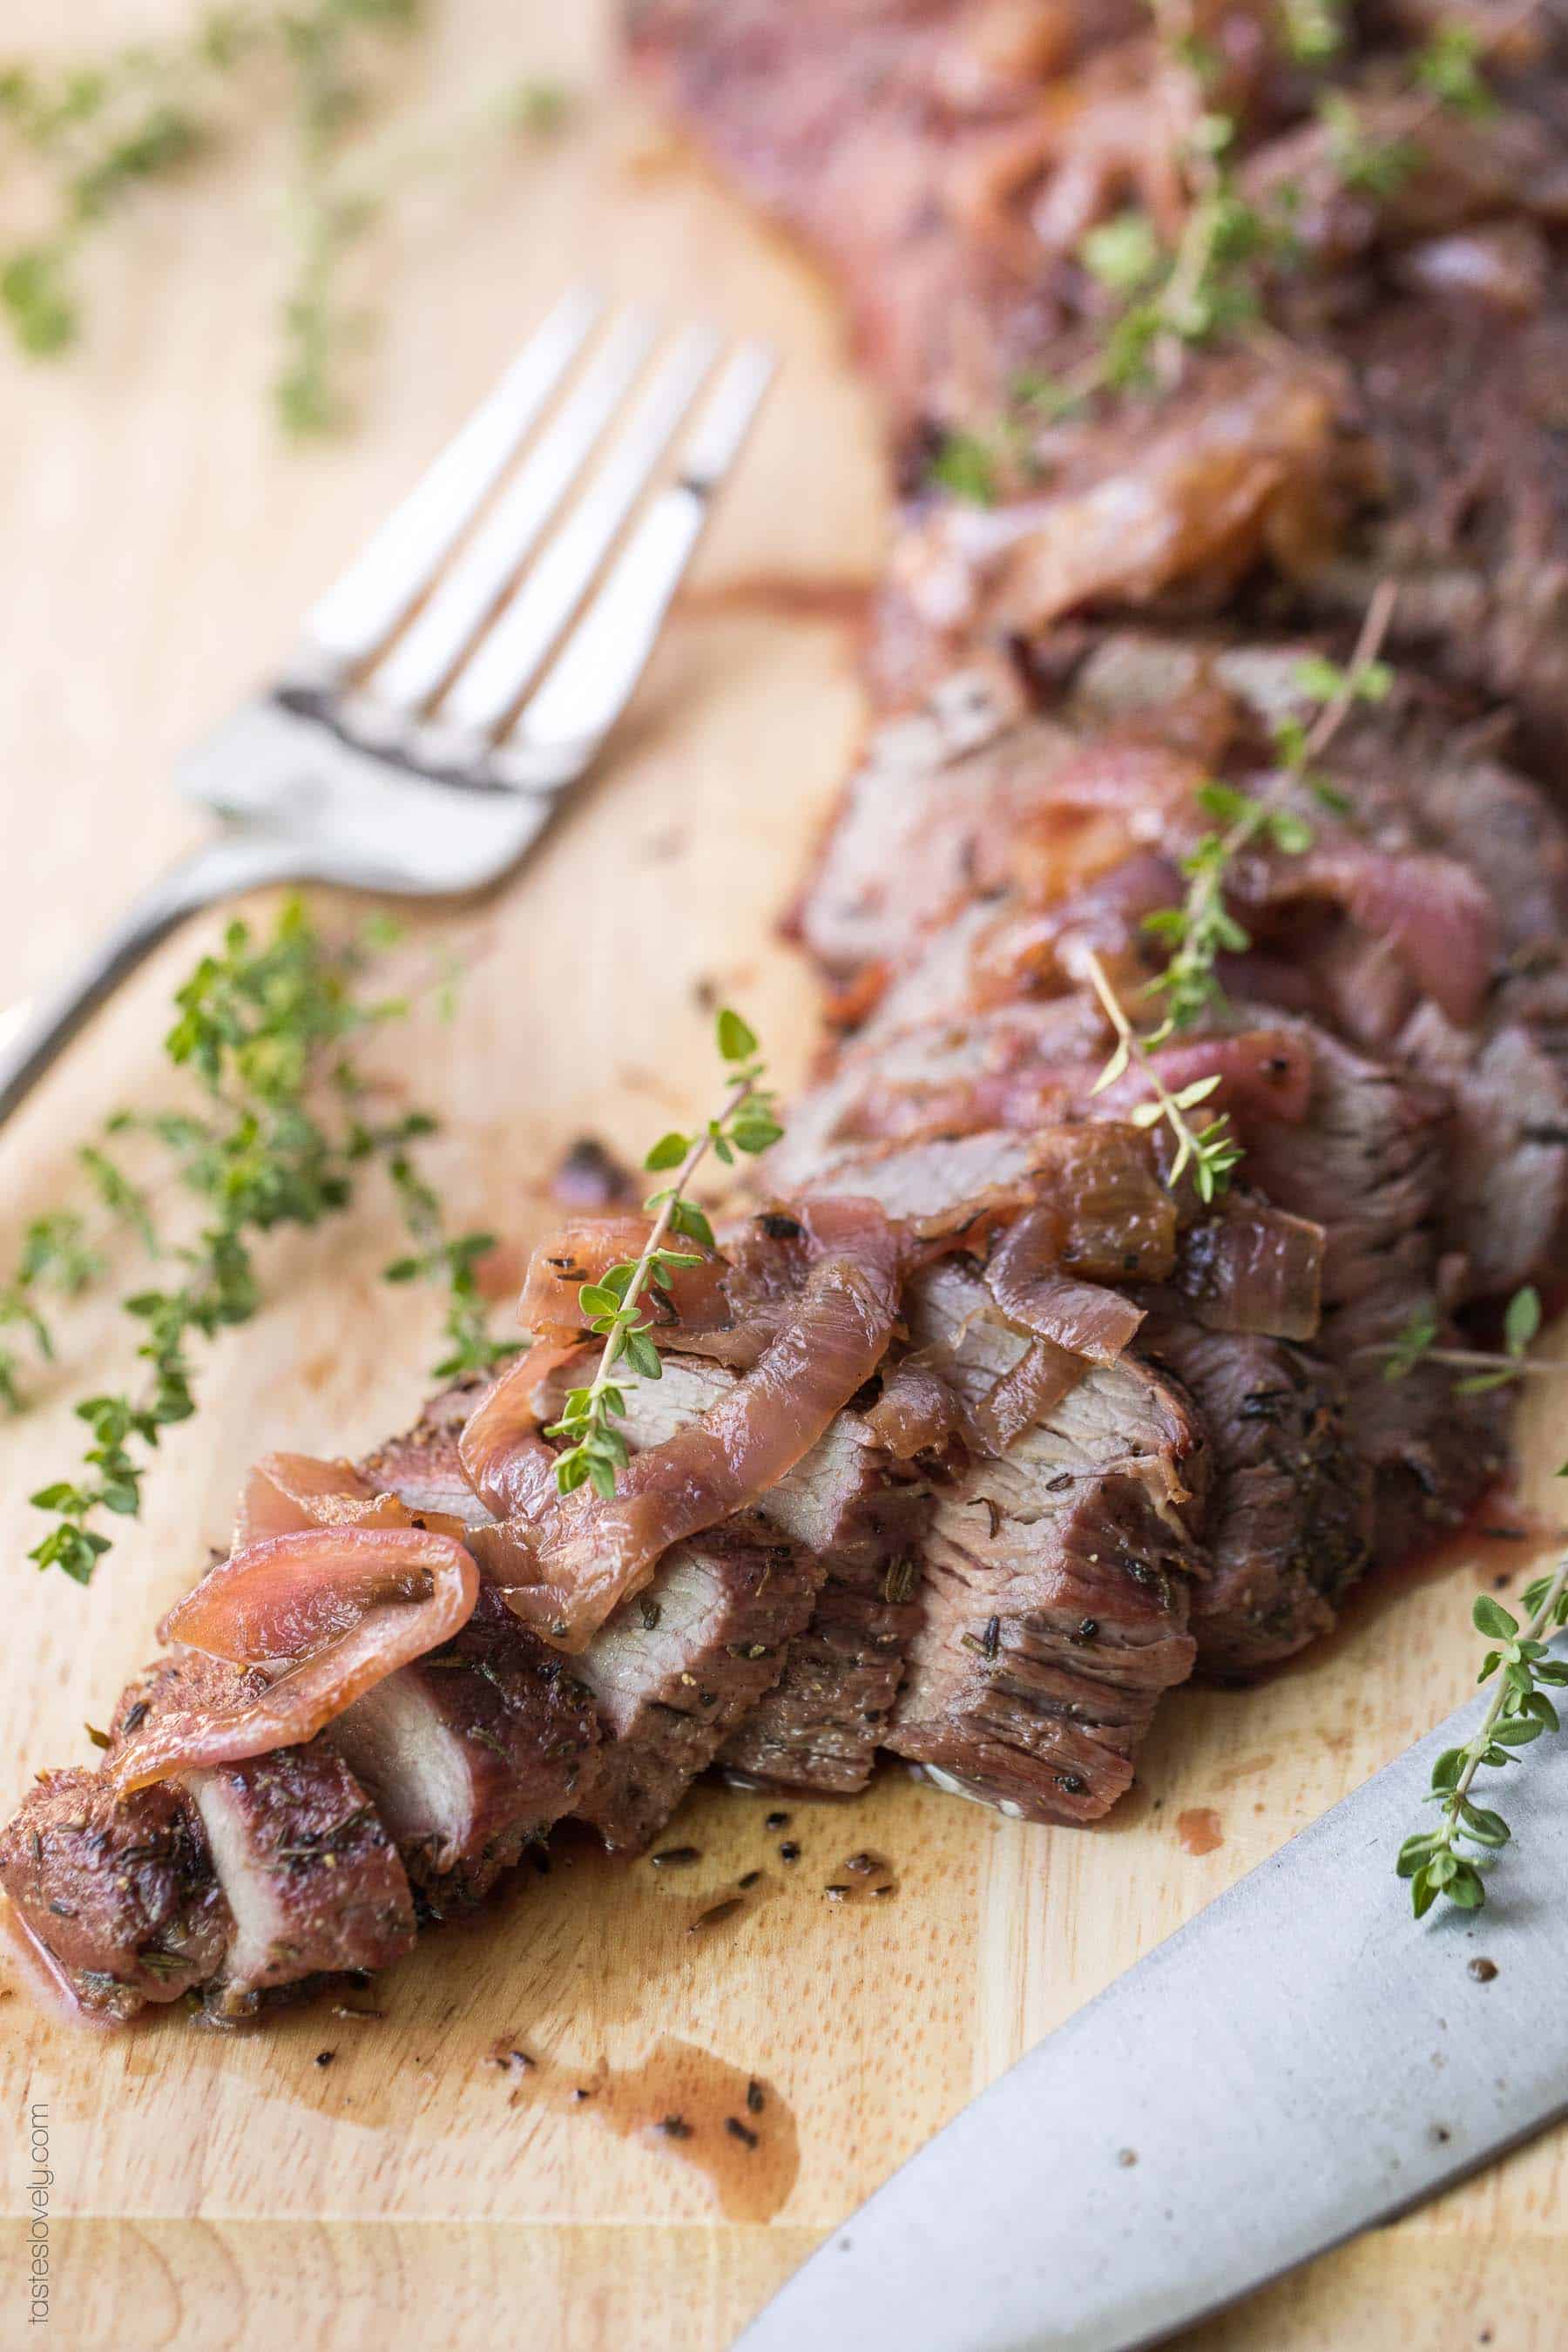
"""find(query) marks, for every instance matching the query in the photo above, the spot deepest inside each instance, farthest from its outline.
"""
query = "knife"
(1299, 2063)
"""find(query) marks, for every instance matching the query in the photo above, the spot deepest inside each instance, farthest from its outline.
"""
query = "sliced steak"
(1370, 1165)
(820, 1724)
(1056, 1579)
(1289, 1498)
(675, 1670)
(908, 843)
(951, 1075)
(1503, 1215)
(420, 1466)
(852, 1511)
(471, 1752)
(310, 1876)
(121, 1892)
(943, 1185)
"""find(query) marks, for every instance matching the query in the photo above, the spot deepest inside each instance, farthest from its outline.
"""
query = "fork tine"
(367, 601)
(467, 595)
(594, 677)
(505, 661)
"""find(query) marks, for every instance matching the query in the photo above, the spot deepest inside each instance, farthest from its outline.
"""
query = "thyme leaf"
(746, 1122)
(269, 1029)
(1520, 1711)
(1210, 284)
(1483, 1368)
(98, 134)
(1201, 929)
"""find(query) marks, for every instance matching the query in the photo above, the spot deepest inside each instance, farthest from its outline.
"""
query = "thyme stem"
(1479, 1359)
(745, 1123)
(1518, 1714)
(614, 1343)
(1211, 1151)
(1368, 645)
(278, 1137)
(1475, 1751)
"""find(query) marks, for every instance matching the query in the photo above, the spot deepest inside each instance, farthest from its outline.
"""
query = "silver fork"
(396, 752)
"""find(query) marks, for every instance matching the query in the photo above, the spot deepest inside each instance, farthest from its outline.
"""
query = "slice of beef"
(420, 1465)
(676, 1669)
(1056, 1579)
(1504, 1209)
(121, 1892)
(1460, 398)
(476, 1749)
(820, 1724)
(908, 843)
(852, 1511)
(939, 1185)
(1007, 950)
(1289, 1500)
(951, 1075)
(472, 1752)
(1370, 1165)
(310, 1877)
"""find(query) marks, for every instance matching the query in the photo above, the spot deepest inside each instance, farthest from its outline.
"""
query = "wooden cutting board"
(398, 2180)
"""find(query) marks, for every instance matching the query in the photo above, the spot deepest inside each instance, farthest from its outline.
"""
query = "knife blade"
(1300, 2062)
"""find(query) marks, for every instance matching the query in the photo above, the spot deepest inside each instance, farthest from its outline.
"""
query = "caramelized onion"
(286, 1492)
(916, 1413)
(695, 1314)
(1201, 495)
(1115, 1220)
(1025, 1278)
(499, 1451)
(593, 1552)
(1253, 1268)
(335, 1610)
(1023, 1396)
(1437, 918)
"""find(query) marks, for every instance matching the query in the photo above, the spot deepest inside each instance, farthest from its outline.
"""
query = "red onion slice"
(334, 1610)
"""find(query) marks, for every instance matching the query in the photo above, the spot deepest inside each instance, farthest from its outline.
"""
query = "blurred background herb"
(94, 135)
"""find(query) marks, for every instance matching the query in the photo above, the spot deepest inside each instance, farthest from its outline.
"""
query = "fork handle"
(221, 868)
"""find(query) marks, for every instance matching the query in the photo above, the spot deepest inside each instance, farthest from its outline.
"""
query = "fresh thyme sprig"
(1201, 929)
(269, 1028)
(1520, 1712)
(747, 1122)
(1484, 1369)
(1211, 285)
(448, 1260)
(1210, 1151)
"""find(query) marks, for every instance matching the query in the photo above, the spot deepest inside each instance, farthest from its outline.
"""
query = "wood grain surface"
(423, 2187)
